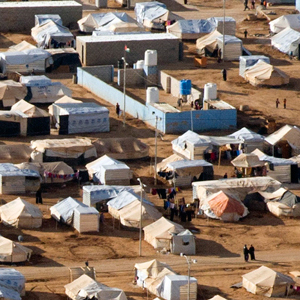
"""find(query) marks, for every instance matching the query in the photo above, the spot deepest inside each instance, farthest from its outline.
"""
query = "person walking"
(277, 102)
(225, 175)
(246, 33)
(38, 196)
(253, 4)
(284, 103)
(251, 252)
(224, 73)
(118, 109)
(246, 5)
(246, 253)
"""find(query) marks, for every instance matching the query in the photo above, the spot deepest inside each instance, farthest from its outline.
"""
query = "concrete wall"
(106, 73)
(19, 16)
(177, 122)
(94, 53)
(134, 77)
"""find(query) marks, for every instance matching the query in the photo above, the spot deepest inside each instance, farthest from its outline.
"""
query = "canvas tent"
(249, 61)
(263, 73)
(285, 140)
(229, 26)
(72, 151)
(63, 99)
(51, 172)
(63, 211)
(11, 92)
(207, 45)
(13, 252)
(160, 233)
(18, 181)
(85, 287)
(281, 169)
(38, 120)
(23, 61)
(81, 117)
(183, 242)
(109, 171)
(15, 153)
(291, 21)
(52, 35)
(13, 280)
(224, 206)
(86, 219)
(21, 214)
(233, 47)
(21, 46)
(153, 14)
(121, 148)
(287, 41)
(267, 282)
(190, 29)
(44, 18)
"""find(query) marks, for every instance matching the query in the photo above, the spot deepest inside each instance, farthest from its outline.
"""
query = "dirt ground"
(113, 251)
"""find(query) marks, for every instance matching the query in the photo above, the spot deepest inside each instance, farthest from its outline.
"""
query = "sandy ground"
(113, 251)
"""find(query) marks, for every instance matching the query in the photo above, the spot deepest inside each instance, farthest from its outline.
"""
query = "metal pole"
(124, 91)
(141, 214)
(155, 161)
(223, 50)
(189, 267)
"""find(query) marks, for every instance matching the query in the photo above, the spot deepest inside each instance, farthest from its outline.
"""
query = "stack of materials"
(86, 219)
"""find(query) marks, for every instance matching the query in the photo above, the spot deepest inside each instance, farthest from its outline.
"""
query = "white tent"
(63, 99)
(287, 41)
(207, 45)
(229, 26)
(267, 282)
(107, 170)
(183, 242)
(86, 219)
(233, 47)
(160, 233)
(13, 252)
(11, 92)
(9, 294)
(85, 287)
(265, 74)
(249, 61)
(13, 280)
(23, 61)
(44, 18)
(190, 29)
(291, 21)
(21, 214)
(18, 181)
(52, 35)
(175, 287)
(75, 150)
(63, 211)
(21, 46)
(153, 14)
(81, 117)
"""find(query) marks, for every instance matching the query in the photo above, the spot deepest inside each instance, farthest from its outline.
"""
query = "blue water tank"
(185, 87)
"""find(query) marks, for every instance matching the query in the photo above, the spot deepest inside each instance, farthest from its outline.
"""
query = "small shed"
(11, 92)
(229, 26)
(21, 214)
(183, 242)
(249, 61)
(13, 252)
(233, 47)
(81, 117)
(86, 219)
(109, 171)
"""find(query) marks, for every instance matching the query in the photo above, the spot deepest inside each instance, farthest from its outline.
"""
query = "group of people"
(278, 102)
(248, 252)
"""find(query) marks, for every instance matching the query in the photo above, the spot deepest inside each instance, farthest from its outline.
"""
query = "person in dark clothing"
(224, 73)
(246, 33)
(251, 252)
(118, 109)
(38, 196)
(225, 175)
(246, 5)
(246, 253)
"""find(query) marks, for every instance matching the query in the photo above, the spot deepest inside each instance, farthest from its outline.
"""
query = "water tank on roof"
(152, 95)
(185, 87)
(140, 64)
(150, 58)
(210, 91)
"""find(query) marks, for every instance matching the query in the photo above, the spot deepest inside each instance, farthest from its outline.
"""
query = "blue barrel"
(185, 87)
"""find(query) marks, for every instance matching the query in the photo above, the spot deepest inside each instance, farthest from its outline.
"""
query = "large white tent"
(191, 29)
(291, 21)
(21, 214)
(207, 45)
(267, 282)
(13, 252)
(249, 61)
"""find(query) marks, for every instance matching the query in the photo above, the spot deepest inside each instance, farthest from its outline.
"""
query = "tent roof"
(9, 294)
(279, 24)
(9, 247)
(266, 277)
(15, 153)
(289, 133)
(276, 161)
(247, 160)
(104, 160)
(80, 108)
(35, 80)
(247, 135)
(7, 169)
(162, 166)
(24, 45)
(123, 199)
(29, 109)
(40, 19)
(86, 210)
(152, 268)
(209, 41)
(149, 10)
(229, 39)
(191, 26)
(192, 137)
(286, 40)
